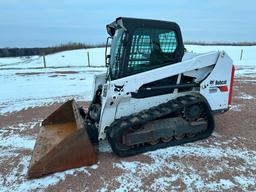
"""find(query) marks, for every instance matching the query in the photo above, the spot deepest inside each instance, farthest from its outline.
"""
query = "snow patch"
(221, 184)
(163, 183)
(246, 80)
(235, 108)
(15, 140)
(245, 71)
(103, 189)
(18, 142)
(17, 180)
(191, 177)
(95, 166)
(245, 181)
(18, 105)
(245, 96)
(131, 166)
(129, 182)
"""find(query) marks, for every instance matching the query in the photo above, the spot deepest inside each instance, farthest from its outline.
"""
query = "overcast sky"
(37, 23)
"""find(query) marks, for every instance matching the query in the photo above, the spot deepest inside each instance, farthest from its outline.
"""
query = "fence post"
(88, 57)
(44, 61)
(241, 54)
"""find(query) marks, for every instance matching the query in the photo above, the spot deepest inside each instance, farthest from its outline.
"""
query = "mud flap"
(62, 143)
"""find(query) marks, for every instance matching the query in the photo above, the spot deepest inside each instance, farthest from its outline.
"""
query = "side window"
(150, 49)
(140, 51)
(168, 42)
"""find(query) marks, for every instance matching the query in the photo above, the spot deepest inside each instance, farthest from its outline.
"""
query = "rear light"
(231, 86)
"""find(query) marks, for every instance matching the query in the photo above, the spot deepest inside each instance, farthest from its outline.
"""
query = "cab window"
(151, 48)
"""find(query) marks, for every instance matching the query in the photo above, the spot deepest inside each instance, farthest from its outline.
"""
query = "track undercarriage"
(182, 120)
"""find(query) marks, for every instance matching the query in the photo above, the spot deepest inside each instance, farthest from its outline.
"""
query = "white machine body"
(209, 69)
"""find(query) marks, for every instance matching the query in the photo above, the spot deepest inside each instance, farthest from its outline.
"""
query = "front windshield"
(116, 53)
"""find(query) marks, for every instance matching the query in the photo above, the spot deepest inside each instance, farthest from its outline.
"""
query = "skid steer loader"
(153, 95)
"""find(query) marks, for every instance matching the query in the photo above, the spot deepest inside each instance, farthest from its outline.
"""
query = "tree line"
(21, 52)
(220, 43)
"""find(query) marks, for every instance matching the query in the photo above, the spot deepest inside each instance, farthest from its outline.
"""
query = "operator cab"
(140, 45)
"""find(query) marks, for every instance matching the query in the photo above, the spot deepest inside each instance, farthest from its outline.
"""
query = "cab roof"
(132, 23)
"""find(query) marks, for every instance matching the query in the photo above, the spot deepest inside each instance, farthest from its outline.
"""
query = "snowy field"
(25, 83)
(224, 162)
(245, 66)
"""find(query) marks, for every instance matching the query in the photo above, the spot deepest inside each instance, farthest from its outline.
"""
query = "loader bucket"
(62, 143)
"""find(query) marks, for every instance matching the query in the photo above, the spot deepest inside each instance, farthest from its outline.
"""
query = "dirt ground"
(224, 161)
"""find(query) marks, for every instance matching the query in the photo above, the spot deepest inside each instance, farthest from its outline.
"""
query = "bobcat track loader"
(153, 95)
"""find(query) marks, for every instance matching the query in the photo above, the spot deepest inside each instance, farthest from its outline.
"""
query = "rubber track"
(116, 129)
